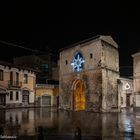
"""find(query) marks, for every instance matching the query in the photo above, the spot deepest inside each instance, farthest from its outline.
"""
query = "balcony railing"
(16, 84)
(44, 86)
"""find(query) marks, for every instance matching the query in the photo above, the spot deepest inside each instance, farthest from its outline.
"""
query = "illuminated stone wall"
(110, 73)
(136, 79)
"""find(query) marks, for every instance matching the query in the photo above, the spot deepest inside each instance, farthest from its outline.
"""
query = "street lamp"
(127, 86)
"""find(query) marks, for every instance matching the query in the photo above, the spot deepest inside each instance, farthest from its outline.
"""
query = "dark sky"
(39, 25)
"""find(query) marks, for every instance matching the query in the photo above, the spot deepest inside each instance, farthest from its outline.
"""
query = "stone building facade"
(88, 75)
(136, 79)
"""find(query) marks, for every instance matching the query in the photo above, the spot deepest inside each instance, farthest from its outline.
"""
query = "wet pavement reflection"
(51, 124)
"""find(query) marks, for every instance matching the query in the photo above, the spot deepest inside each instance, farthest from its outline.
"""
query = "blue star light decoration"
(78, 62)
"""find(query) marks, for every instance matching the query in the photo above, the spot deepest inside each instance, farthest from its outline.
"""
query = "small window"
(25, 78)
(45, 66)
(66, 62)
(1, 75)
(17, 95)
(11, 95)
(17, 77)
(11, 76)
(91, 55)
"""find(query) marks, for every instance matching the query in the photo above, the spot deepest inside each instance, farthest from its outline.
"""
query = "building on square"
(47, 95)
(88, 75)
(125, 92)
(17, 85)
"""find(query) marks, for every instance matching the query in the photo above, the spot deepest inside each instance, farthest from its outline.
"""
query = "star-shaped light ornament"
(77, 63)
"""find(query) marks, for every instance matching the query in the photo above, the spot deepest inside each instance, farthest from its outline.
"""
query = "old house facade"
(47, 95)
(47, 69)
(16, 85)
(88, 75)
(125, 92)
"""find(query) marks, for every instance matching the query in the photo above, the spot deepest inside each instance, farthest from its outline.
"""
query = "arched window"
(78, 62)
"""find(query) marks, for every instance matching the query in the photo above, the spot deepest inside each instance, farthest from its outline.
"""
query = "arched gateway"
(78, 96)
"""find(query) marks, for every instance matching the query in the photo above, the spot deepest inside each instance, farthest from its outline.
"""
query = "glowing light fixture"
(77, 62)
(127, 86)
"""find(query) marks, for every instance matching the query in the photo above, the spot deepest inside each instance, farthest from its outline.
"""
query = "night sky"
(54, 25)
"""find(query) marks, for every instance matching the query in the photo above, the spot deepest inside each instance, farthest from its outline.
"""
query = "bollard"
(77, 133)
(40, 133)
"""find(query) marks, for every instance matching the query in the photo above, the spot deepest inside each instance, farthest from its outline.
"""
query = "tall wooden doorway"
(78, 95)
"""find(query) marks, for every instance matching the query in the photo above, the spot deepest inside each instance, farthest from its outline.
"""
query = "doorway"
(2, 99)
(79, 96)
(25, 97)
(127, 100)
(46, 100)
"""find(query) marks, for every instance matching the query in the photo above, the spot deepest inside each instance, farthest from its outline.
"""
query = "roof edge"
(106, 38)
(135, 54)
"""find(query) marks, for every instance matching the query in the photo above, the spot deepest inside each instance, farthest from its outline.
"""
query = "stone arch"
(78, 97)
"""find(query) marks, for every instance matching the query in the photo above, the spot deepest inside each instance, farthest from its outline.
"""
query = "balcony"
(14, 84)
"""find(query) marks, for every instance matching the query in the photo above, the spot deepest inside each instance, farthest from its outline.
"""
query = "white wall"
(8, 101)
(31, 97)
(137, 100)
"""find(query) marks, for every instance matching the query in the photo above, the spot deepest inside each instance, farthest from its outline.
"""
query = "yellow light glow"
(79, 96)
